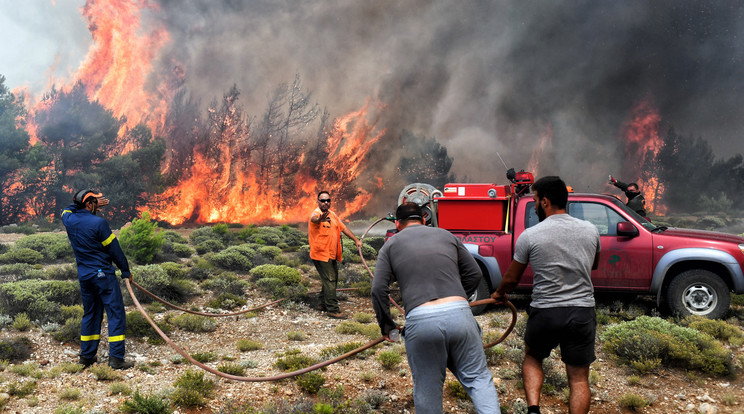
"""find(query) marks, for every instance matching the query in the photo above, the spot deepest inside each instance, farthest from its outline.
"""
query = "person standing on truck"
(96, 247)
(435, 273)
(563, 251)
(324, 233)
(636, 201)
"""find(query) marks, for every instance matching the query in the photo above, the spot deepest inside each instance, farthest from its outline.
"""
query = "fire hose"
(319, 365)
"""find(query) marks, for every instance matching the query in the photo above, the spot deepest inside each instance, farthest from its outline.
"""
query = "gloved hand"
(612, 179)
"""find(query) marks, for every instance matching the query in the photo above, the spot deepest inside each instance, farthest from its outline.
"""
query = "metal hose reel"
(422, 194)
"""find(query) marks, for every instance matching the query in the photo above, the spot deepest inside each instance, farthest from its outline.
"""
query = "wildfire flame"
(119, 62)
(118, 73)
(642, 144)
(207, 196)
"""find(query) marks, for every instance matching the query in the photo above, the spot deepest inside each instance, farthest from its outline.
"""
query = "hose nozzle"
(390, 217)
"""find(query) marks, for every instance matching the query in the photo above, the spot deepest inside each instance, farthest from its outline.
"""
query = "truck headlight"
(741, 247)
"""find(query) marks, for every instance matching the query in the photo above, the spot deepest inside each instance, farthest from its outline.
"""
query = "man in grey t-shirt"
(562, 251)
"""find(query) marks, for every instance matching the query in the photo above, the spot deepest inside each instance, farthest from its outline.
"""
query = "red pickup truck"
(689, 271)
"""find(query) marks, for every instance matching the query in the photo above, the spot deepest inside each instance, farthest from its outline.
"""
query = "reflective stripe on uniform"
(108, 240)
(66, 211)
(116, 338)
(90, 337)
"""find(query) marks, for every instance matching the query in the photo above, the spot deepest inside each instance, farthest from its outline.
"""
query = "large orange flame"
(118, 73)
(119, 61)
(642, 144)
(212, 194)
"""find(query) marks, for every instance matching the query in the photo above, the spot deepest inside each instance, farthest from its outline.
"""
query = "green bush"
(293, 360)
(371, 331)
(21, 322)
(716, 328)
(72, 311)
(226, 283)
(375, 242)
(21, 255)
(52, 246)
(351, 253)
(231, 259)
(389, 359)
(278, 290)
(182, 250)
(142, 240)
(279, 281)
(204, 357)
(19, 270)
(270, 236)
(303, 252)
(194, 323)
(139, 327)
(69, 332)
(311, 382)
(209, 246)
(24, 228)
(156, 280)
(632, 402)
(270, 252)
(226, 301)
(337, 350)
(647, 339)
(285, 274)
(209, 234)
(457, 390)
(104, 372)
(21, 389)
(192, 390)
(146, 403)
(245, 345)
(41, 298)
(201, 270)
(15, 350)
(174, 237)
(231, 368)
(61, 272)
(174, 270)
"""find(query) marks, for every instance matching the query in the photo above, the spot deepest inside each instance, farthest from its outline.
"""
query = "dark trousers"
(329, 278)
(101, 294)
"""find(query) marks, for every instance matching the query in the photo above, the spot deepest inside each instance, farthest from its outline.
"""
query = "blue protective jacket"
(94, 244)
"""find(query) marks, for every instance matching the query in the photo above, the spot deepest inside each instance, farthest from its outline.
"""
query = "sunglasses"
(327, 200)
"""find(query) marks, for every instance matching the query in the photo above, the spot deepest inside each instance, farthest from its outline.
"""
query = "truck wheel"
(698, 292)
(481, 292)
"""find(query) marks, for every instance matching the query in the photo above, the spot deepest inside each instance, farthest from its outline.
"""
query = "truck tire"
(481, 292)
(698, 292)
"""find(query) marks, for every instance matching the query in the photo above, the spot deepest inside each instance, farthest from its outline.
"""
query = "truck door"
(625, 262)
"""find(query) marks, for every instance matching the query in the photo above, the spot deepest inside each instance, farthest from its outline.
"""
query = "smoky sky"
(481, 77)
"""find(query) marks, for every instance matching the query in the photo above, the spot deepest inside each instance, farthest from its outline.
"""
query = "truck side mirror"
(626, 229)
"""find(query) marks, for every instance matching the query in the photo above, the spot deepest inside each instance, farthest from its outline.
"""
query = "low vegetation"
(232, 267)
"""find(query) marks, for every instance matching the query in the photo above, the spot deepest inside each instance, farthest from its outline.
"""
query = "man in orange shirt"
(324, 232)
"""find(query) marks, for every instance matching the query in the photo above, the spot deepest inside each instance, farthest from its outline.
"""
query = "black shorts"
(572, 328)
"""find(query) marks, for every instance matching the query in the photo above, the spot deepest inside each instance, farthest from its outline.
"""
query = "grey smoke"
(479, 76)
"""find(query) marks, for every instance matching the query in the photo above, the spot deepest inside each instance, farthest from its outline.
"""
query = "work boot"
(336, 315)
(118, 363)
(86, 362)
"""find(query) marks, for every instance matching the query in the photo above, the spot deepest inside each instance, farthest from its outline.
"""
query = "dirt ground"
(668, 390)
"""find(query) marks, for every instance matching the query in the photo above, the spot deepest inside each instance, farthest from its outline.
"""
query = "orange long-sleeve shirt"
(325, 237)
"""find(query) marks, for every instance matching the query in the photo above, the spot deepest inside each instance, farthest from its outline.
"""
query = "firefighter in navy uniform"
(96, 247)
(636, 201)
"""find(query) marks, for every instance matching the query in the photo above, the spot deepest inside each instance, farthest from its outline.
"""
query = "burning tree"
(14, 140)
